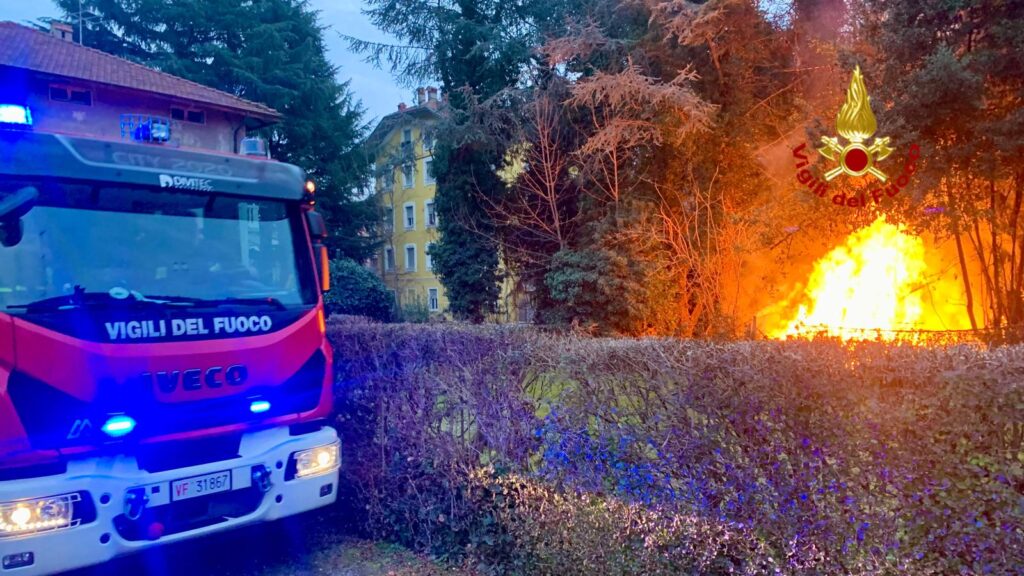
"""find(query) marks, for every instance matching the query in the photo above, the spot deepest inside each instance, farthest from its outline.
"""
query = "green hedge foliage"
(521, 452)
(357, 291)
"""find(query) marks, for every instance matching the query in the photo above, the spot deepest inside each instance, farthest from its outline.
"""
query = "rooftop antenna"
(81, 21)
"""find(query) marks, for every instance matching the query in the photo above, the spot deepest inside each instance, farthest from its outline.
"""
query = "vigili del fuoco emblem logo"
(856, 123)
(852, 154)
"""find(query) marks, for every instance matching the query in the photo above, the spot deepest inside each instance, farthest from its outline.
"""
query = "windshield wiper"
(219, 302)
(83, 299)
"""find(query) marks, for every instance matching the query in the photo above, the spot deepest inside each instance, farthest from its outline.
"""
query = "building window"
(410, 257)
(433, 302)
(410, 216)
(389, 259)
(428, 171)
(73, 95)
(407, 141)
(389, 217)
(428, 260)
(430, 217)
(408, 178)
(193, 116)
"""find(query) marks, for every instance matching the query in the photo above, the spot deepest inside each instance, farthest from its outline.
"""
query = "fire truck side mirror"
(318, 232)
(12, 208)
(317, 226)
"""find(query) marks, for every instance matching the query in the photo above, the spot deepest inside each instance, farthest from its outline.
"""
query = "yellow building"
(405, 188)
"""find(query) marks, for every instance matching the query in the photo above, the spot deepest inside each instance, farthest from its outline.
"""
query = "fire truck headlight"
(316, 461)
(37, 515)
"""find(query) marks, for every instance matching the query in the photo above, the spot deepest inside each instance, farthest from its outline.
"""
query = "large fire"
(875, 284)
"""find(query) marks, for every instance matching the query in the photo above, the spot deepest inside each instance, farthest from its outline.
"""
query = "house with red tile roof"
(78, 90)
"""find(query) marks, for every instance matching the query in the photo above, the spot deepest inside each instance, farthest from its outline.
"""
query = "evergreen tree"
(466, 257)
(267, 51)
(954, 75)
(476, 48)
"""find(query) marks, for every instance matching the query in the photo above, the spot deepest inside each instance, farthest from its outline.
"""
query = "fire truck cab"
(164, 366)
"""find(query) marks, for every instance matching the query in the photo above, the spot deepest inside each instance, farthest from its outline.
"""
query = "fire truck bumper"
(106, 507)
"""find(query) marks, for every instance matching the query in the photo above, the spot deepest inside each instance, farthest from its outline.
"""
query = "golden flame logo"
(856, 123)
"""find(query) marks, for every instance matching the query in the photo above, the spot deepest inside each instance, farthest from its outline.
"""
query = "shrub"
(357, 291)
(411, 399)
(821, 457)
(535, 529)
(346, 320)
(611, 292)
(414, 311)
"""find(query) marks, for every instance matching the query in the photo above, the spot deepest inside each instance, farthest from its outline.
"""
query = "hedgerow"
(528, 453)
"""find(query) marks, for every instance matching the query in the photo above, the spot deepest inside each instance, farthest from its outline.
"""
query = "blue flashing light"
(259, 406)
(15, 114)
(118, 426)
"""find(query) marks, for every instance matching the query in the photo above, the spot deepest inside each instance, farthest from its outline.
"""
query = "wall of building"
(411, 279)
(102, 118)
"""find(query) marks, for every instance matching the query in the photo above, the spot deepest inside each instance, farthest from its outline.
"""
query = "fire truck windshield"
(152, 243)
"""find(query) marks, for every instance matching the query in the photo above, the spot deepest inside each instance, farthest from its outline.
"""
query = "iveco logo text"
(186, 182)
(197, 378)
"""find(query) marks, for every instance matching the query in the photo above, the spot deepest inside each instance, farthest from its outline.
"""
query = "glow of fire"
(873, 282)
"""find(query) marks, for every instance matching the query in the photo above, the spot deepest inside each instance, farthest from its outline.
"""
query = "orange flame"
(870, 286)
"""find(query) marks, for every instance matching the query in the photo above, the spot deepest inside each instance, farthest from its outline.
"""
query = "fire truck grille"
(54, 419)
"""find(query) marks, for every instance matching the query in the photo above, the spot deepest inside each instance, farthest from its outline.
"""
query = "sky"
(376, 89)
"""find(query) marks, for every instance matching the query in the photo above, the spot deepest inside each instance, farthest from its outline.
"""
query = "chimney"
(421, 97)
(402, 106)
(61, 30)
(431, 94)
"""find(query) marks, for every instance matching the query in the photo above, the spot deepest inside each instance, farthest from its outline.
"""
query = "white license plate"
(200, 485)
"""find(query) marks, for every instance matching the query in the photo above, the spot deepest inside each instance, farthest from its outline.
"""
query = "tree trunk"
(967, 280)
(997, 255)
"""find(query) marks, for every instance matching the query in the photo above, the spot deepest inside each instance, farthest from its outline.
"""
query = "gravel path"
(312, 544)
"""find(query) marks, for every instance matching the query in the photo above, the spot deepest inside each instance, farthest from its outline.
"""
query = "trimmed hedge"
(527, 453)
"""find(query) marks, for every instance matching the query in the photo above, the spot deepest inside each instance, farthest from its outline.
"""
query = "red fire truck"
(164, 369)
